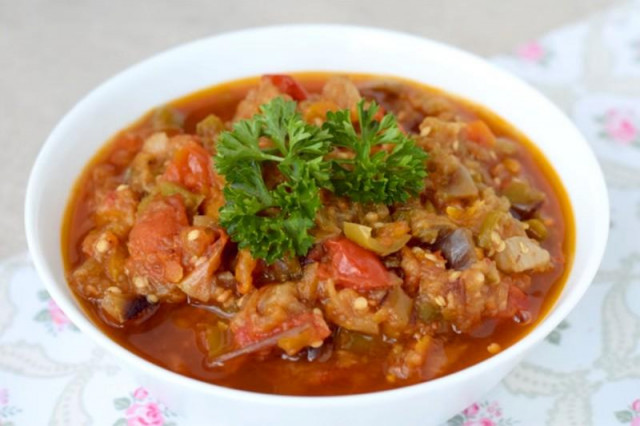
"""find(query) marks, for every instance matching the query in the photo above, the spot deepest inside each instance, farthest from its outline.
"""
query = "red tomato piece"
(353, 266)
(154, 241)
(191, 167)
(270, 312)
(288, 85)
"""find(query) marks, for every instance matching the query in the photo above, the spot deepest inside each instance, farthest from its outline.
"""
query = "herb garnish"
(273, 220)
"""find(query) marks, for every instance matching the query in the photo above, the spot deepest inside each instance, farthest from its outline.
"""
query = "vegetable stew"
(317, 234)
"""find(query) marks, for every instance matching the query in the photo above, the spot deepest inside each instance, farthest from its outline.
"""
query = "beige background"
(54, 52)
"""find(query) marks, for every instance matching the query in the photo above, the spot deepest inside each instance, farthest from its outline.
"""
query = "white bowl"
(177, 72)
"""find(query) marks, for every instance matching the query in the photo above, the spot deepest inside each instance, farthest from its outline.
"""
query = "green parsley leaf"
(273, 222)
(375, 175)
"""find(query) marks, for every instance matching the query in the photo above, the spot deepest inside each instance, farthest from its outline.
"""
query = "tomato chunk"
(479, 132)
(353, 266)
(154, 242)
(288, 85)
(271, 312)
(191, 167)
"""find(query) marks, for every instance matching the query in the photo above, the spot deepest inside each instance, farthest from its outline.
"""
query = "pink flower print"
(471, 410)
(148, 414)
(4, 397)
(494, 409)
(620, 127)
(140, 393)
(635, 405)
(635, 421)
(481, 422)
(58, 318)
(531, 52)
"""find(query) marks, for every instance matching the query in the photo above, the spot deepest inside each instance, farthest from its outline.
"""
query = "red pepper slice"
(288, 85)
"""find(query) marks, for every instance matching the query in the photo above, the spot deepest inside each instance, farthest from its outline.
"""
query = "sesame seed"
(524, 248)
(371, 217)
(425, 131)
(360, 304)
(122, 187)
(495, 237)
(501, 246)
(152, 298)
(140, 282)
(317, 344)
(114, 290)
(193, 235)
(224, 296)
(431, 257)
(456, 145)
(317, 312)
(494, 348)
(454, 275)
(102, 245)
(440, 301)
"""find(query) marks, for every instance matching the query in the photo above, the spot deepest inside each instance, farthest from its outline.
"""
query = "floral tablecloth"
(587, 372)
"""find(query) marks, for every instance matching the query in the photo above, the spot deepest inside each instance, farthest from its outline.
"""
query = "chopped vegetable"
(522, 254)
(353, 266)
(289, 85)
(208, 130)
(397, 308)
(197, 284)
(361, 235)
(479, 132)
(190, 166)
(460, 184)
(260, 345)
(375, 174)
(167, 118)
(122, 307)
(218, 339)
(525, 199)
(537, 229)
(191, 200)
(355, 342)
(458, 248)
(426, 311)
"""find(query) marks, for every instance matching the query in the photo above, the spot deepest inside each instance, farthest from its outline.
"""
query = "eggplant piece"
(282, 270)
(461, 184)
(458, 248)
(525, 199)
(120, 307)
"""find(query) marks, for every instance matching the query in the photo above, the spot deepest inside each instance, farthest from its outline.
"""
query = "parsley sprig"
(274, 220)
(375, 175)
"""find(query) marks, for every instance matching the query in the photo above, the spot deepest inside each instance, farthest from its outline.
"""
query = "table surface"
(55, 52)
